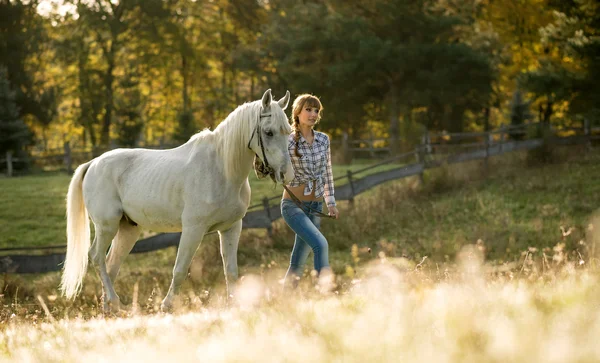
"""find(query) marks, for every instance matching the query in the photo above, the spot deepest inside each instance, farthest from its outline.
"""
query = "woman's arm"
(329, 188)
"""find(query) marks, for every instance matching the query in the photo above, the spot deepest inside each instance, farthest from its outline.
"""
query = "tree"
(569, 69)
(83, 85)
(397, 53)
(14, 133)
(327, 58)
(107, 21)
(519, 113)
(21, 44)
(186, 126)
(128, 110)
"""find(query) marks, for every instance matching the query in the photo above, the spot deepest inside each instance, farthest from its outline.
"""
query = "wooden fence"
(429, 154)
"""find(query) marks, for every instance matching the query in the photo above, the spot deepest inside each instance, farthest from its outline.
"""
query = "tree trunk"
(346, 154)
(85, 105)
(108, 84)
(68, 159)
(548, 112)
(455, 122)
(91, 133)
(184, 75)
(45, 137)
(236, 95)
(9, 165)
(486, 119)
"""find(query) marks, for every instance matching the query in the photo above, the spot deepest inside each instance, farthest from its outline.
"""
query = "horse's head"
(271, 145)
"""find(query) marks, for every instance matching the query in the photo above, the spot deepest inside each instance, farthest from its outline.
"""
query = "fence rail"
(263, 215)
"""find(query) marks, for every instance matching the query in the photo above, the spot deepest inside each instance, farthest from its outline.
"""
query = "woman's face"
(308, 116)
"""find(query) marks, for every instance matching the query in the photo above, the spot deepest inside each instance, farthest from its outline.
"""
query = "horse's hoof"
(112, 307)
(112, 310)
(166, 307)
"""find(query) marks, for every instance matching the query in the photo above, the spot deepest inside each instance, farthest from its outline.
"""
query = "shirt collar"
(316, 135)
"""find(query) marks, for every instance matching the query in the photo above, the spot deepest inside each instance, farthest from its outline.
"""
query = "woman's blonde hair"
(304, 100)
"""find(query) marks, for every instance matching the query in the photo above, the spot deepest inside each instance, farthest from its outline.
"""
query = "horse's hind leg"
(105, 232)
(121, 247)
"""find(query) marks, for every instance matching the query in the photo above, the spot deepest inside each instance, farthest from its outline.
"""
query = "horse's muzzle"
(286, 174)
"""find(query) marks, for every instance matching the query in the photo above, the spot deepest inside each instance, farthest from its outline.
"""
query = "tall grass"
(391, 311)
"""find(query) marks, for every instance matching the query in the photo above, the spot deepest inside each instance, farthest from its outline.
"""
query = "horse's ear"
(267, 98)
(283, 102)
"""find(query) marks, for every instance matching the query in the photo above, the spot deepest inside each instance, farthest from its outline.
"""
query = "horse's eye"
(269, 133)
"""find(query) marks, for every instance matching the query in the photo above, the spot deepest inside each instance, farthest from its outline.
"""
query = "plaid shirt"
(313, 165)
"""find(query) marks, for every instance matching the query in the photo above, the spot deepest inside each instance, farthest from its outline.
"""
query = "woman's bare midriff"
(299, 192)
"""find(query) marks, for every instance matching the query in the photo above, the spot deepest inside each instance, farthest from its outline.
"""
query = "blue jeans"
(308, 236)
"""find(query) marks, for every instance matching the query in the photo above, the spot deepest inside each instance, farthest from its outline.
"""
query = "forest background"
(100, 74)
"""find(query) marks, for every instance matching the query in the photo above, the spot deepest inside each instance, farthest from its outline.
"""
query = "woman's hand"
(333, 211)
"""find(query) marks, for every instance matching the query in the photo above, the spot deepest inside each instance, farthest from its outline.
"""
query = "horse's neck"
(245, 166)
(234, 153)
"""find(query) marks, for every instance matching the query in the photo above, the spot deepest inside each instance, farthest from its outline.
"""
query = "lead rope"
(299, 203)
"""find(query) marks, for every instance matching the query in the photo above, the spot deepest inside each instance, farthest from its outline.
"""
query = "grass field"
(472, 266)
(33, 207)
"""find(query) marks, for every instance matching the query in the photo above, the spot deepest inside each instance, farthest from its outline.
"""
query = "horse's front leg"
(229, 247)
(191, 237)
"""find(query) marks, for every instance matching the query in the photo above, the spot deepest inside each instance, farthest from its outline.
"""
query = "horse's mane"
(231, 136)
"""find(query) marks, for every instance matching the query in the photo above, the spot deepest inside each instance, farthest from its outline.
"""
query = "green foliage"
(453, 63)
(399, 55)
(21, 47)
(14, 133)
(569, 68)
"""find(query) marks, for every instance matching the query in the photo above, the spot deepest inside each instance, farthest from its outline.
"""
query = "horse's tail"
(78, 236)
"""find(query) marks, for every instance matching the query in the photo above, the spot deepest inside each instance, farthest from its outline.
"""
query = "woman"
(311, 159)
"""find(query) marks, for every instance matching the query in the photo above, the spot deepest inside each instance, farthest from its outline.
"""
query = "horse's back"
(144, 184)
(152, 187)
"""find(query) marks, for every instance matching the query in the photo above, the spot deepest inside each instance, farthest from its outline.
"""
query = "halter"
(263, 169)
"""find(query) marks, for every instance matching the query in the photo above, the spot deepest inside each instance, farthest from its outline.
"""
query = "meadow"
(33, 207)
(474, 265)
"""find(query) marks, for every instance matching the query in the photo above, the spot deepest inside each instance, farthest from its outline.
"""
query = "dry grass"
(392, 310)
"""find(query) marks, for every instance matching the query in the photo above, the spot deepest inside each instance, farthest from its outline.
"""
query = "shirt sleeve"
(295, 161)
(329, 189)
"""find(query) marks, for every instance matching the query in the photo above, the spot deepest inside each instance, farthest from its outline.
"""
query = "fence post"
(346, 148)
(587, 131)
(420, 160)
(68, 159)
(428, 148)
(9, 165)
(371, 144)
(488, 142)
(351, 182)
(268, 211)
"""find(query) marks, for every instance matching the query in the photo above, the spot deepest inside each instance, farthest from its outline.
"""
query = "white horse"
(196, 188)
